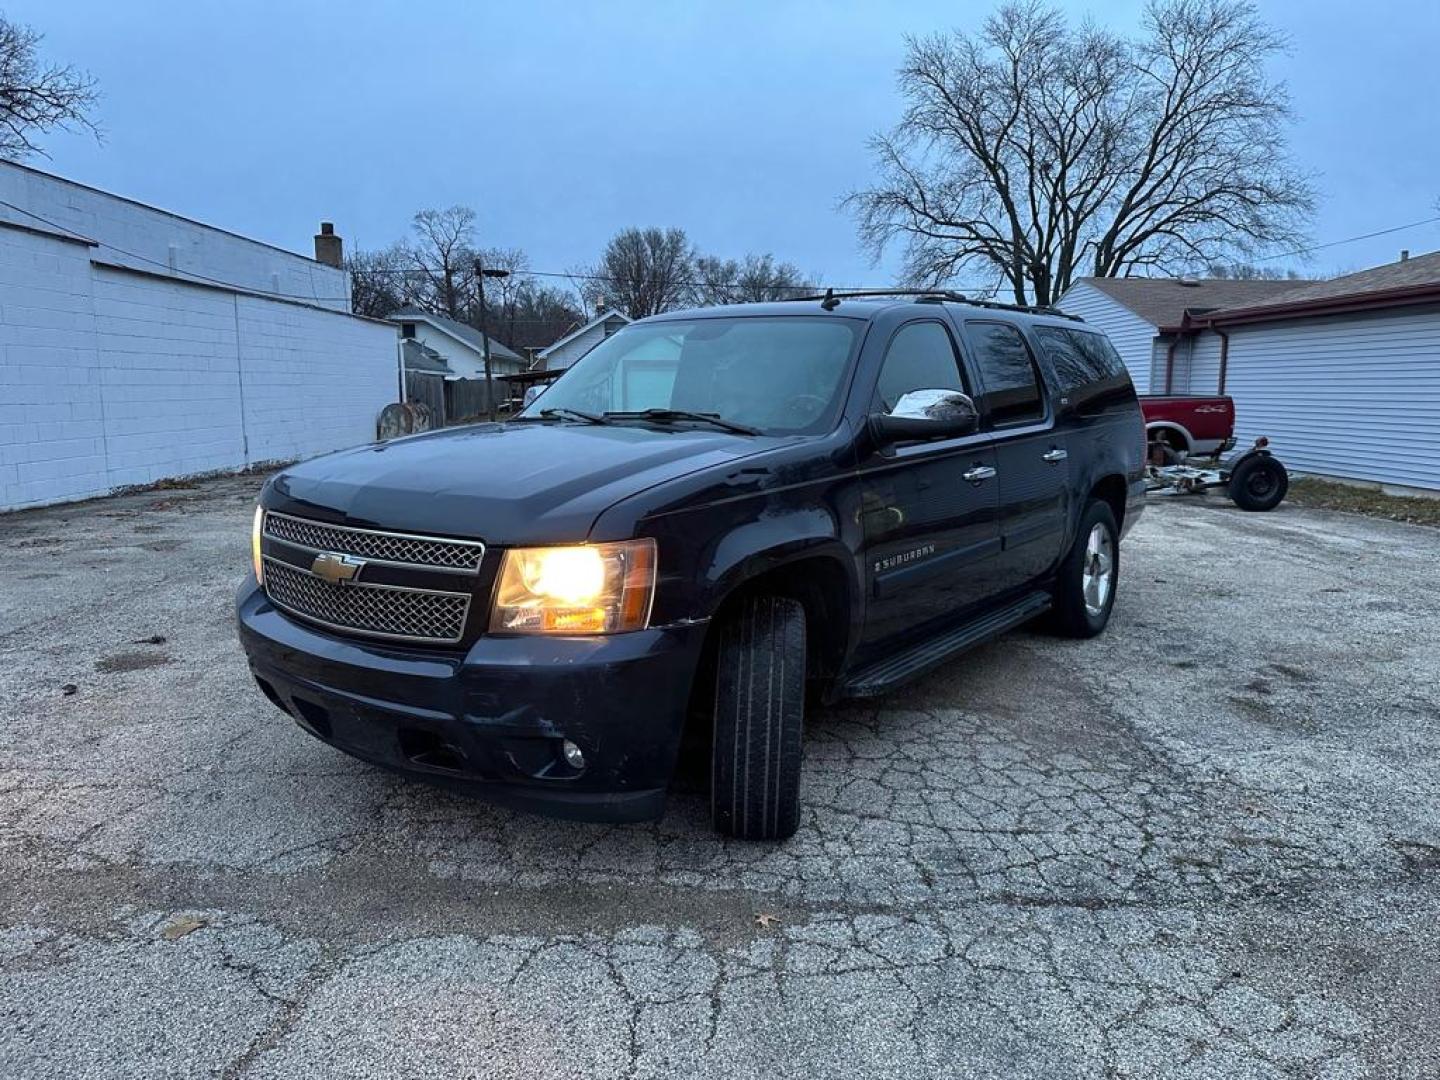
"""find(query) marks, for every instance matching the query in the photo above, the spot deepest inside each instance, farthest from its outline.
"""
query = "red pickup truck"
(1199, 426)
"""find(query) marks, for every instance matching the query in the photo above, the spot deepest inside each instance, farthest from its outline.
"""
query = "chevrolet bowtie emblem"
(336, 569)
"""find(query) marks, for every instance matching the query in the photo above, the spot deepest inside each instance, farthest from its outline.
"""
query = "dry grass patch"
(1328, 495)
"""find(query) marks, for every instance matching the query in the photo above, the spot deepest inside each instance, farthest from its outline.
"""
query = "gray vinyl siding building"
(1134, 311)
(1343, 376)
(1353, 396)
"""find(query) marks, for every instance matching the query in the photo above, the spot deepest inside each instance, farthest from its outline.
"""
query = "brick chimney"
(329, 248)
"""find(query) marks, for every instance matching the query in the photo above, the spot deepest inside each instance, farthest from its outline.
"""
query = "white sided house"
(1343, 375)
(1132, 312)
(459, 346)
(580, 341)
(137, 345)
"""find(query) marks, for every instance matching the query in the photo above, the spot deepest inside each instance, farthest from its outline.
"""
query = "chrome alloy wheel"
(1097, 575)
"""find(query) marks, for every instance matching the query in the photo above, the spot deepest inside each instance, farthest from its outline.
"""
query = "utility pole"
(480, 275)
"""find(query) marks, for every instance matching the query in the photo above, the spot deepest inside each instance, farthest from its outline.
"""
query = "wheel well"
(1112, 490)
(1174, 437)
(820, 584)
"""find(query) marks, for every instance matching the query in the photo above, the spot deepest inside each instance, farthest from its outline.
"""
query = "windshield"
(774, 375)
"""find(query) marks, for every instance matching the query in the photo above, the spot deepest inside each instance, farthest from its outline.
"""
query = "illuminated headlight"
(255, 560)
(585, 589)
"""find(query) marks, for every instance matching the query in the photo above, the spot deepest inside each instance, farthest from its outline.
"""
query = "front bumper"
(491, 720)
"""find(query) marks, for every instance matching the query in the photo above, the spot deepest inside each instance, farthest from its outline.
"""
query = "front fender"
(760, 547)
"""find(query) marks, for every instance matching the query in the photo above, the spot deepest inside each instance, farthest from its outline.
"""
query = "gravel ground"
(1206, 844)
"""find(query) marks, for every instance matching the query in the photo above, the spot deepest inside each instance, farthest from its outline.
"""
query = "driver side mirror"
(920, 415)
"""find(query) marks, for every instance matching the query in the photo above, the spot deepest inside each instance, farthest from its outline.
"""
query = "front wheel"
(759, 717)
(1085, 586)
(1258, 483)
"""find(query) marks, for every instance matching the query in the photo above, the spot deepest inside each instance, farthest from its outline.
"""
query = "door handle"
(1055, 455)
(979, 474)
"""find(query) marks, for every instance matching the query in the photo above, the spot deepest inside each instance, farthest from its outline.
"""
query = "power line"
(1349, 240)
(184, 275)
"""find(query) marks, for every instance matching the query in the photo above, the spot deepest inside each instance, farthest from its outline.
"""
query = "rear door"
(929, 509)
(1032, 458)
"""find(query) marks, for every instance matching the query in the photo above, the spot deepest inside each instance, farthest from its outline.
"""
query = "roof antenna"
(831, 301)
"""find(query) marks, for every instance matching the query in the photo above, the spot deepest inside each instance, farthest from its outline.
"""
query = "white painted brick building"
(136, 346)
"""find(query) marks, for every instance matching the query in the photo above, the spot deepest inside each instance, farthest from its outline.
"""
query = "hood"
(524, 483)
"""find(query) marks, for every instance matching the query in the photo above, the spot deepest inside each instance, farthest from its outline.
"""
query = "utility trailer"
(1254, 478)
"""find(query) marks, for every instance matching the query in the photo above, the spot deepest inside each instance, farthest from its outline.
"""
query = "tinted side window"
(1103, 357)
(1068, 359)
(1012, 391)
(1087, 367)
(921, 357)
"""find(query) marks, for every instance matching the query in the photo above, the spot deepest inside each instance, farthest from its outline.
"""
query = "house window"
(407, 330)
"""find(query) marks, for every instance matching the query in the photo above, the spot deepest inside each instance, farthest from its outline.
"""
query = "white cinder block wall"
(128, 233)
(109, 377)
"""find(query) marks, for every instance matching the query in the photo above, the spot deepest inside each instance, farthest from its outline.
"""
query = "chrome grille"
(402, 548)
(376, 610)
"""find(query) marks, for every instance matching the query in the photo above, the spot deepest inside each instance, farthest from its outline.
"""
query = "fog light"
(573, 756)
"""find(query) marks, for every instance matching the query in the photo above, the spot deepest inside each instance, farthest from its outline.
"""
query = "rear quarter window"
(1086, 367)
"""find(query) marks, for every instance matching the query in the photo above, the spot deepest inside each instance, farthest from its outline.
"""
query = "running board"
(885, 675)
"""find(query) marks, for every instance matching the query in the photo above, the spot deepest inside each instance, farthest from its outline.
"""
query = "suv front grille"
(402, 548)
(420, 615)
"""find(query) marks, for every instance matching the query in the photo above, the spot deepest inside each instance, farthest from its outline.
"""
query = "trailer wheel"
(1259, 483)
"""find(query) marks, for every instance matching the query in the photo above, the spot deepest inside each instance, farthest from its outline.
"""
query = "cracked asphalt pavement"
(1205, 844)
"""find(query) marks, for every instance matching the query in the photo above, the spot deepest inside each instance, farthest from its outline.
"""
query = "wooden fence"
(450, 402)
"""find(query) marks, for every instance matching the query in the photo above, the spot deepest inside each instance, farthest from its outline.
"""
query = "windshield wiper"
(663, 415)
(564, 413)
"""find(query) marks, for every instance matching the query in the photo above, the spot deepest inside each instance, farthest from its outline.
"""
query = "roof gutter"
(1379, 299)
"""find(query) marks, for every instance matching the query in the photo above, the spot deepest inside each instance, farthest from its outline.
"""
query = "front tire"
(759, 718)
(1085, 588)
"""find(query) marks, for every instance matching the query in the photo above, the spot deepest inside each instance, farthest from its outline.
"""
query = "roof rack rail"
(830, 300)
(1031, 309)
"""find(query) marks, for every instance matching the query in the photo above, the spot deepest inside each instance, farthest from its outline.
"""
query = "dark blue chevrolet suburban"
(715, 514)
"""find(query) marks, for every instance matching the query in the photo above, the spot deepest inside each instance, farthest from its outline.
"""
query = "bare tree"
(1243, 271)
(541, 315)
(37, 97)
(642, 272)
(441, 261)
(1035, 152)
(378, 281)
(754, 279)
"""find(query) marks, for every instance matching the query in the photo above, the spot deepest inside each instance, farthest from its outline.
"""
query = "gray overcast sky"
(743, 122)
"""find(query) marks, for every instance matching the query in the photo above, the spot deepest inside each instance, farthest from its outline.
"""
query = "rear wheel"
(1259, 483)
(759, 717)
(1085, 587)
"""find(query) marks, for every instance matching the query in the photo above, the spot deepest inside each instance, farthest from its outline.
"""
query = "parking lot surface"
(1206, 844)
